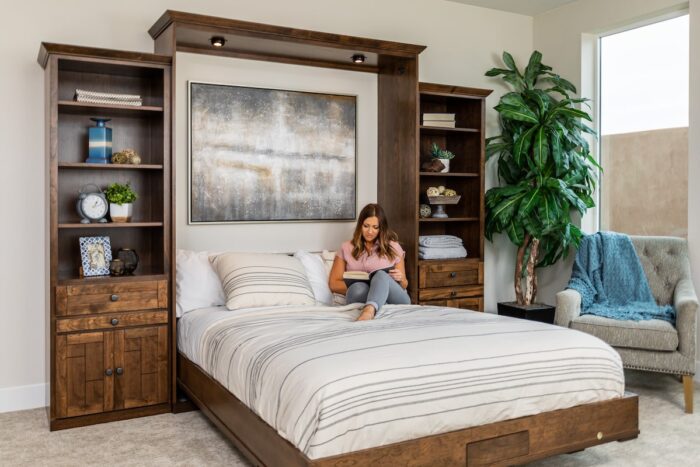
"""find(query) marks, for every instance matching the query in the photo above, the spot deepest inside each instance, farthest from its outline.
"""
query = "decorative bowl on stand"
(440, 201)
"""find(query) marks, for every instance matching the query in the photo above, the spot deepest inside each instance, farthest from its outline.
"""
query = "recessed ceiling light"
(217, 41)
(358, 58)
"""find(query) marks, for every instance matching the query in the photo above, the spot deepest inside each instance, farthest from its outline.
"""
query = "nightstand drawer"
(473, 303)
(449, 273)
(111, 321)
(107, 298)
(450, 293)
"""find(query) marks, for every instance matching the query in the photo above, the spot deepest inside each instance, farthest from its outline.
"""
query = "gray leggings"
(382, 289)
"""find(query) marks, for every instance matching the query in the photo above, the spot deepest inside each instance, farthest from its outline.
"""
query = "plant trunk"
(526, 295)
(518, 268)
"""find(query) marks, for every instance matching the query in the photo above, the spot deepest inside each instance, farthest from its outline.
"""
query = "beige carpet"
(669, 437)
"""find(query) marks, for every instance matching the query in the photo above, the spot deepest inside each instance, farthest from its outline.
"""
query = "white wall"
(559, 35)
(463, 41)
(278, 237)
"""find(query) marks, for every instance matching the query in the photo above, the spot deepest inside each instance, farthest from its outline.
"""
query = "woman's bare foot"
(367, 313)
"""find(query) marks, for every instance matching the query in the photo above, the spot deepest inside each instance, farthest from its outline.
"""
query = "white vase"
(446, 163)
(120, 212)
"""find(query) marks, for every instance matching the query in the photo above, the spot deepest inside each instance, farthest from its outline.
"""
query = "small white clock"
(92, 206)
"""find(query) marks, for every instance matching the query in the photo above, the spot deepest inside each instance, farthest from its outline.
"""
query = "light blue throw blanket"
(608, 275)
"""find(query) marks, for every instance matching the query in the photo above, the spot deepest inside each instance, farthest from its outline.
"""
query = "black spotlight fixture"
(217, 41)
(358, 58)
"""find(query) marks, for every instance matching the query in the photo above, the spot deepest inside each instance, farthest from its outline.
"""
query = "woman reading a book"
(374, 249)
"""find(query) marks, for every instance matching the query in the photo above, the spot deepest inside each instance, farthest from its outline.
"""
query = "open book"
(350, 277)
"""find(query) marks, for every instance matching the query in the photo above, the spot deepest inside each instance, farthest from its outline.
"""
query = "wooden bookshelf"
(453, 282)
(108, 355)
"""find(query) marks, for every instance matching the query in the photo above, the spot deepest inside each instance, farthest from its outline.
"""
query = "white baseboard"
(697, 369)
(23, 397)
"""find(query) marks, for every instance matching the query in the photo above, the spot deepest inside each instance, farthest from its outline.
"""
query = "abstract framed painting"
(270, 155)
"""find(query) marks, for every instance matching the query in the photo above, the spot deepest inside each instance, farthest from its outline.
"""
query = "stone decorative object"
(126, 156)
(432, 191)
(433, 165)
(425, 210)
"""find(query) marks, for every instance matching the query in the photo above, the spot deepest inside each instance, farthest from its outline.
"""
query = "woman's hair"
(385, 235)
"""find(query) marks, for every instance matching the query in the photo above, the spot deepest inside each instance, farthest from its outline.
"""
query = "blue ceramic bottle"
(99, 142)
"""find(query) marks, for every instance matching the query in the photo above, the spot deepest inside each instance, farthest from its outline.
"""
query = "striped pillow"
(258, 279)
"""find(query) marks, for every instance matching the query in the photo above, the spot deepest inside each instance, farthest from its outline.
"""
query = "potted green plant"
(121, 198)
(544, 166)
(443, 155)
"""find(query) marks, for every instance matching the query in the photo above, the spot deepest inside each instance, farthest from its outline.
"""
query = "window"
(644, 129)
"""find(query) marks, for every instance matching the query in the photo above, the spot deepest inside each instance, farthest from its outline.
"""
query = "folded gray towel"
(441, 253)
(439, 241)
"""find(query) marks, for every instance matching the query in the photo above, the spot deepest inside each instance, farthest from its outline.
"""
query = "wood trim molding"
(48, 48)
(279, 33)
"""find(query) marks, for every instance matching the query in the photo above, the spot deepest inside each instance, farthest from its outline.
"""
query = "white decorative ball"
(425, 210)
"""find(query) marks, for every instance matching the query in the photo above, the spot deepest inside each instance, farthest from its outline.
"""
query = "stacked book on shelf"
(442, 120)
(94, 97)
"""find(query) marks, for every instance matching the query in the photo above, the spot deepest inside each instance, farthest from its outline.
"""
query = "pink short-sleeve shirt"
(371, 262)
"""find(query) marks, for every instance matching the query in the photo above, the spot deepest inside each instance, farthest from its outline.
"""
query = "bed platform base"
(503, 443)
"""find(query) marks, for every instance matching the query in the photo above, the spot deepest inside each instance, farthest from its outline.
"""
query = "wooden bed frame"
(396, 66)
(508, 442)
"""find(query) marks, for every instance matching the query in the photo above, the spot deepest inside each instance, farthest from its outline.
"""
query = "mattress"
(331, 385)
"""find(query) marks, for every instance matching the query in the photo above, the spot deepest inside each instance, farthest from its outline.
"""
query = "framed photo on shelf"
(95, 255)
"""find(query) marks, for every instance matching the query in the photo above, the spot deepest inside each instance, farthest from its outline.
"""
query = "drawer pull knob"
(120, 371)
(108, 372)
(599, 435)
(453, 293)
(114, 297)
(453, 274)
(114, 321)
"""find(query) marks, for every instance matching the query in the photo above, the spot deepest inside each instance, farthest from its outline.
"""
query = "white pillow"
(317, 275)
(196, 282)
(328, 259)
(261, 279)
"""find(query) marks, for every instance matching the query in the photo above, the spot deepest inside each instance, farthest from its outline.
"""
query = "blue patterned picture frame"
(95, 255)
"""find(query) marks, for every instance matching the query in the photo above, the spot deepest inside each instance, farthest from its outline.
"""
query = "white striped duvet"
(331, 385)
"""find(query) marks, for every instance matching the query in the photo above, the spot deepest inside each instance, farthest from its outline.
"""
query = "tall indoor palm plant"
(545, 167)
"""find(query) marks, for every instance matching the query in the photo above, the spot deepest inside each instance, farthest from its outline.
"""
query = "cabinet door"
(84, 381)
(141, 366)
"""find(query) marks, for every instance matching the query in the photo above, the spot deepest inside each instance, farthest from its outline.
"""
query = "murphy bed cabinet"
(109, 338)
(447, 282)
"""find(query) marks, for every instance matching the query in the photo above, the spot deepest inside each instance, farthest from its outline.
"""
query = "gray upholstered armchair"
(652, 345)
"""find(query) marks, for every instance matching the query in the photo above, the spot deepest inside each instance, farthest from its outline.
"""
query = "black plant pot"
(533, 312)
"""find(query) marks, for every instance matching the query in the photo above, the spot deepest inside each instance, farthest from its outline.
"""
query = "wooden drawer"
(449, 273)
(111, 320)
(474, 304)
(451, 293)
(108, 298)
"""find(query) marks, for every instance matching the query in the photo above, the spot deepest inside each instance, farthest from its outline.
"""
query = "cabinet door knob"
(453, 293)
(120, 371)
(453, 274)
(114, 321)
(114, 297)
(108, 372)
